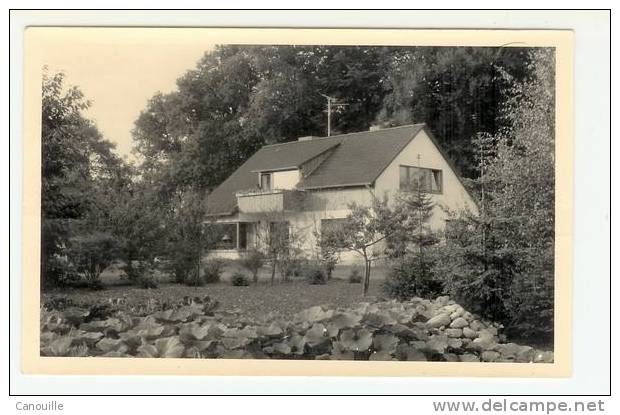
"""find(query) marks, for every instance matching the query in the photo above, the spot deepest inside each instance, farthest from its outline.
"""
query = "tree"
(253, 260)
(279, 243)
(413, 273)
(239, 98)
(75, 162)
(327, 251)
(137, 215)
(367, 226)
(190, 238)
(501, 262)
(523, 191)
(91, 253)
(458, 92)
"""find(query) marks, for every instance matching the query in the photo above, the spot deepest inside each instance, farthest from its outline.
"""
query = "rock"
(457, 313)
(442, 301)
(450, 357)
(418, 344)
(486, 334)
(481, 344)
(437, 344)
(459, 323)
(439, 320)
(509, 350)
(489, 356)
(454, 332)
(469, 358)
(525, 354)
(543, 357)
(468, 316)
(451, 308)
(469, 333)
(476, 325)
(424, 313)
(455, 343)
(492, 330)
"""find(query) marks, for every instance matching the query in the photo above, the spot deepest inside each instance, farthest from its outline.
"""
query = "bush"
(212, 271)
(180, 267)
(355, 277)
(90, 254)
(413, 276)
(253, 260)
(239, 280)
(291, 267)
(499, 281)
(146, 282)
(329, 268)
(315, 275)
(59, 272)
(140, 273)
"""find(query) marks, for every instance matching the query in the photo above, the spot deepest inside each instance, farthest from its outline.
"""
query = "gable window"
(265, 181)
(427, 180)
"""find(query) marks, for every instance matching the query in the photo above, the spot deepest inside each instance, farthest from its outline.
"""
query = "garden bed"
(415, 330)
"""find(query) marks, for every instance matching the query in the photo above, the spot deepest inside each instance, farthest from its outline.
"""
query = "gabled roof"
(356, 159)
(289, 155)
(361, 157)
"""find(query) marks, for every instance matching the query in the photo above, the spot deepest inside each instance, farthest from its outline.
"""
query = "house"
(308, 184)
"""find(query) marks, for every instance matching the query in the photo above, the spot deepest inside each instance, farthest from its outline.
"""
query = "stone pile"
(457, 335)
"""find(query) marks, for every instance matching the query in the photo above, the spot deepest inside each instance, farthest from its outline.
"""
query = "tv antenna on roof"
(331, 103)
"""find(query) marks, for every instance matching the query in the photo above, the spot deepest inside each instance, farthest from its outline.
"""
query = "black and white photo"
(299, 202)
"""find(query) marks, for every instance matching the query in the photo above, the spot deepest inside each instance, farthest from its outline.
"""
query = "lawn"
(283, 298)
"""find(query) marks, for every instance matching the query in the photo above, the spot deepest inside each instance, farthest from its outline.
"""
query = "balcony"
(277, 200)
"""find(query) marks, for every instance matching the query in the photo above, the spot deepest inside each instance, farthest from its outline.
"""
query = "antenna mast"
(331, 102)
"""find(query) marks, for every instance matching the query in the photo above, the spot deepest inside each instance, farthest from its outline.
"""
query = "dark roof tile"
(357, 159)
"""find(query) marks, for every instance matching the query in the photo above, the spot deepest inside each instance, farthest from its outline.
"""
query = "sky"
(118, 74)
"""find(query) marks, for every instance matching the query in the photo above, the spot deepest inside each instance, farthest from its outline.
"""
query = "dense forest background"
(240, 98)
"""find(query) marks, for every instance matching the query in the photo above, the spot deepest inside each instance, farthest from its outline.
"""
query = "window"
(428, 180)
(231, 235)
(329, 226)
(227, 235)
(265, 181)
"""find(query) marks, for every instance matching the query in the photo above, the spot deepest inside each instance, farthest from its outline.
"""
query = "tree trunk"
(366, 284)
(198, 272)
(255, 277)
(273, 271)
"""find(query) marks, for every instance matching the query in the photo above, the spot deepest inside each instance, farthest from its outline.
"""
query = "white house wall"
(333, 203)
(454, 197)
(286, 179)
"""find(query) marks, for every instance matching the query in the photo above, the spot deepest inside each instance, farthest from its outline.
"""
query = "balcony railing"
(264, 201)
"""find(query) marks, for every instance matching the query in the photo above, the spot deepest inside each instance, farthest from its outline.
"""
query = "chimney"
(375, 127)
(307, 138)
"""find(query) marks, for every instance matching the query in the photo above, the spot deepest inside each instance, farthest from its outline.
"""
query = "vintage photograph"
(298, 201)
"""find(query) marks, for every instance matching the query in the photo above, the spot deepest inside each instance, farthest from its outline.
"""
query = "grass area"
(112, 275)
(283, 298)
